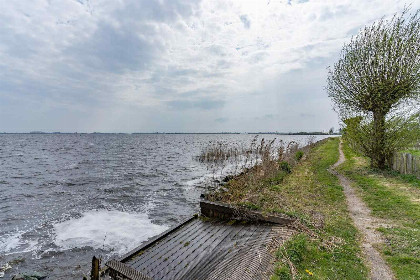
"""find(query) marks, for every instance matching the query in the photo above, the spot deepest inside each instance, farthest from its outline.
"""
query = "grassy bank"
(413, 152)
(327, 245)
(395, 199)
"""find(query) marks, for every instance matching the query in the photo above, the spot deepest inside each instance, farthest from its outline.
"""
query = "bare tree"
(377, 73)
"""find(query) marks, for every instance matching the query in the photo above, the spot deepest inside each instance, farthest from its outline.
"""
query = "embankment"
(327, 246)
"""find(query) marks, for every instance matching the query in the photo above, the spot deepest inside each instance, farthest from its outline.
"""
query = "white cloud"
(209, 60)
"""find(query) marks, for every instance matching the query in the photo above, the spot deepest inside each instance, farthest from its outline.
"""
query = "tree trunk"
(378, 159)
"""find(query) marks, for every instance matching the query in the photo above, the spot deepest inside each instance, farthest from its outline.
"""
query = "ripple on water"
(45, 202)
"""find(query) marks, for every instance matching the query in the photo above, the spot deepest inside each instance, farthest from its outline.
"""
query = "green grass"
(395, 199)
(413, 152)
(249, 205)
(406, 178)
(313, 195)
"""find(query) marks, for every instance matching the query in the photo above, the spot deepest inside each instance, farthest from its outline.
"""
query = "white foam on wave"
(110, 230)
(9, 242)
(15, 243)
(195, 182)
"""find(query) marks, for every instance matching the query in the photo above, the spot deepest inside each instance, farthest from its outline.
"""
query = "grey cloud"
(177, 71)
(170, 61)
(339, 11)
(216, 50)
(18, 45)
(245, 20)
(221, 120)
(127, 39)
(82, 72)
(222, 64)
(166, 10)
(205, 104)
(267, 117)
(131, 44)
(305, 115)
(255, 58)
(115, 50)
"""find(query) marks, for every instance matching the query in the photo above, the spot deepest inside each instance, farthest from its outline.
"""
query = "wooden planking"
(210, 255)
(119, 269)
(183, 261)
(154, 240)
(406, 163)
(241, 255)
(192, 260)
(255, 262)
(249, 262)
(189, 250)
(223, 251)
(201, 249)
(172, 247)
(182, 248)
(227, 212)
(165, 243)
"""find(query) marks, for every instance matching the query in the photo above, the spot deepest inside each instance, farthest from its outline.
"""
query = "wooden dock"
(230, 244)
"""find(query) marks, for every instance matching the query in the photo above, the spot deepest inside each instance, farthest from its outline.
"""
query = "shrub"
(285, 166)
(299, 155)
(296, 249)
(282, 273)
(399, 133)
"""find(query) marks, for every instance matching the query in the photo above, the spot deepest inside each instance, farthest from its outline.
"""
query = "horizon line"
(221, 132)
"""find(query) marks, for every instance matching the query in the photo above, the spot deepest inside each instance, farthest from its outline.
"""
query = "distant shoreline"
(222, 133)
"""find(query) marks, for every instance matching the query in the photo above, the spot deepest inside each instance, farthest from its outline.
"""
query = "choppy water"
(65, 198)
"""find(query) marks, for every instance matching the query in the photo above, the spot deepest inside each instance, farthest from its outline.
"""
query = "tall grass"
(249, 167)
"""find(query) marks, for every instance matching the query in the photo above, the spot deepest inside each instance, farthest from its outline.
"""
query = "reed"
(248, 169)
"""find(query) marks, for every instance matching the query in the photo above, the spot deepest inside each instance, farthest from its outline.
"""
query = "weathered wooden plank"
(206, 257)
(394, 161)
(183, 258)
(166, 242)
(119, 269)
(204, 260)
(248, 261)
(94, 273)
(218, 254)
(171, 247)
(243, 256)
(153, 240)
(169, 259)
(201, 249)
(410, 163)
(406, 163)
(227, 212)
(207, 246)
(168, 271)
(252, 263)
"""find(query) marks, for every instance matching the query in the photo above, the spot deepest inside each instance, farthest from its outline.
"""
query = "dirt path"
(366, 224)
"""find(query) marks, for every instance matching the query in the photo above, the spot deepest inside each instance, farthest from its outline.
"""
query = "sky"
(174, 65)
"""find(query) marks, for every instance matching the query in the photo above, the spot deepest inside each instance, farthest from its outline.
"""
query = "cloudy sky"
(174, 65)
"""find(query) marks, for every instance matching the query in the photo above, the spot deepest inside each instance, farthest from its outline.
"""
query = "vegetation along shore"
(328, 244)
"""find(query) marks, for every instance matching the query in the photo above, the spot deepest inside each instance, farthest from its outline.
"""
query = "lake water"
(67, 197)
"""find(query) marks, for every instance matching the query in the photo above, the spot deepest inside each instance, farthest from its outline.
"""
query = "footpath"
(366, 224)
